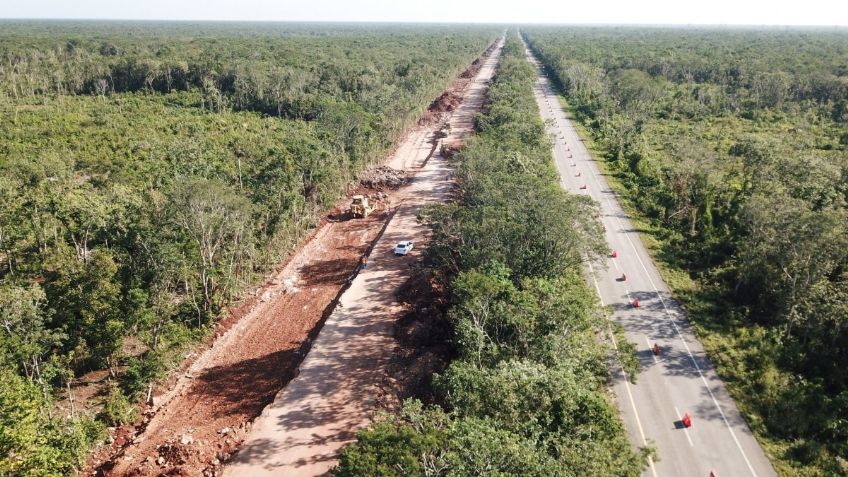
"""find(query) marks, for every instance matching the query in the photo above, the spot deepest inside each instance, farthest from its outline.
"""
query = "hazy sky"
(750, 12)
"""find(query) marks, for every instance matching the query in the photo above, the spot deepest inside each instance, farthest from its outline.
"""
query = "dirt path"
(340, 382)
(197, 424)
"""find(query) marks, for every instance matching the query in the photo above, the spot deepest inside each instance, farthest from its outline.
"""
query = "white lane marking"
(615, 263)
(651, 349)
(626, 290)
(623, 372)
(685, 429)
(670, 317)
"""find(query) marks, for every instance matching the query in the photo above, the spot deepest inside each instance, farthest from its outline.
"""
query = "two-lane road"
(680, 379)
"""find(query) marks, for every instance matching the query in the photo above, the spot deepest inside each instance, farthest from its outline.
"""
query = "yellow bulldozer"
(360, 207)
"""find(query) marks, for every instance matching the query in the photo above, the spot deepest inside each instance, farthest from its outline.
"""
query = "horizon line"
(430, 22)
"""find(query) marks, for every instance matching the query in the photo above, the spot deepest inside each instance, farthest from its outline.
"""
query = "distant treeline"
(291, 75)
(734, 145)
(724, 70)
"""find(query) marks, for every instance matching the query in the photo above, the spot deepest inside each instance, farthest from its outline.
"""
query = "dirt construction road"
(339, 385)
(679, 379)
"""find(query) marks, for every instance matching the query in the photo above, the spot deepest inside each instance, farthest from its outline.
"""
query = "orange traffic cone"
(635, 303)
(613, 254)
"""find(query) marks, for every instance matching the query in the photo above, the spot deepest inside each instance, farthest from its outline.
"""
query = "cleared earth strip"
(199, 421)
(340, 383)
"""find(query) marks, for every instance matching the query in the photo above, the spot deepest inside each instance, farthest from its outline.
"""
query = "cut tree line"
(528, 391)
(150, 173)
(732, 145)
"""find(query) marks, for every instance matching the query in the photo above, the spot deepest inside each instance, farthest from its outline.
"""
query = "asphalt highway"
(679, 379)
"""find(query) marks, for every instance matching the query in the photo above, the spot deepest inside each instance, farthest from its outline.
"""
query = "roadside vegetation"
(150, 173)
(733, 147)
(527, 392)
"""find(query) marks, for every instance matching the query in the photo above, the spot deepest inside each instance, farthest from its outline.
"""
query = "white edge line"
(615, 347)
(621, 366)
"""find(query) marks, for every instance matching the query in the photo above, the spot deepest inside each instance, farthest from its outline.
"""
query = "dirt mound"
(383, 177)
(475, 67)
(185, 457)
(451, 149)
(448, 101)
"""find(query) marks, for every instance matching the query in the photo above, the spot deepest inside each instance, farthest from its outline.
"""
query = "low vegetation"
(527, 393)
(733, 146)
(150, 173)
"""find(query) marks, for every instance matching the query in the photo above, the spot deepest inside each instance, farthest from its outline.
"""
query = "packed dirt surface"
(205, 414)
(346, 379)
